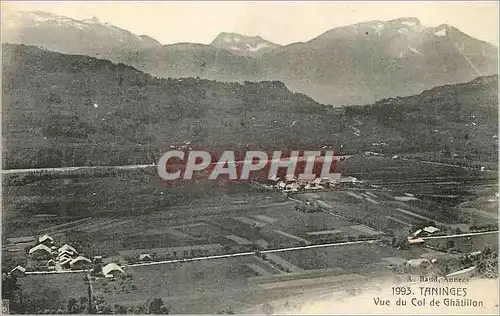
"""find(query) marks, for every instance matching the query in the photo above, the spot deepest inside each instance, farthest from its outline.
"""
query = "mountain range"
(355, 64)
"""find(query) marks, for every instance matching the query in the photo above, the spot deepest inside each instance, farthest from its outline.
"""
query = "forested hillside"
(68, 110)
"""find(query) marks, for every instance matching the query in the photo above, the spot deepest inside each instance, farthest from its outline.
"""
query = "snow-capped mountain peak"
(408, 21)
(243, 45)
(39, 28)
(94, 20)
(442, 30)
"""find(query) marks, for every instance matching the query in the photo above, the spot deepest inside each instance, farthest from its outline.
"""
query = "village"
(293, 184)
(46, 256)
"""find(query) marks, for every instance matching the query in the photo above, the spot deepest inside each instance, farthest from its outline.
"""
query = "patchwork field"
(238, 283)
(387, 210)
(192, 286)
(351, 259)
(385, 169)
(121, 216)
(466, 244)
(245, 221)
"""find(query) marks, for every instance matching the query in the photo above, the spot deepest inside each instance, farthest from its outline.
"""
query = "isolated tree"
(155, 306)
(120, 309)
(487, 251)
(9, 285)
(97, 269)
(164, 310)
(450, 244)
(227, 311)
(267, 309)
(138, 309)
(73, 307)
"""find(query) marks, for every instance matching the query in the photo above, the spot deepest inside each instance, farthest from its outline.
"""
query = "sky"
(282, 22)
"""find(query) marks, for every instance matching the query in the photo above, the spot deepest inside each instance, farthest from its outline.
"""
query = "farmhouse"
(18, 272)
(430, 229)
(426, 231)
(67, 248)
(348, 180)
(474, 254)
(145, 257)
(40, 251)
(67, 253)
(65, 263)
(419, 263)
(274, 179)
(112, 270)
(64, 257)
(317, 181)
(313, 186)
(46, 240)
(293, 187)
(80, 263)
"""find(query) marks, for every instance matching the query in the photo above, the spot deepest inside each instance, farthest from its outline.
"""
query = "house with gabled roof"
(80, 262)
(66, 253)
(63, 257)
(46, 240)
(65, 263)
(419, 263)
(430, 229)
(112, 270)
(145, 257)
(18, 272)
(40, 251)
(426, 231)
(67, 247)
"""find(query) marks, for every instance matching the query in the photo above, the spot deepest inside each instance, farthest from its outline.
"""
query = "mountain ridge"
(354, 64)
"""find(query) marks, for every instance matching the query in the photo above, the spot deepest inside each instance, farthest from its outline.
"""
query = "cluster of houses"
(62, 258)
(293, 184)
(58, 258)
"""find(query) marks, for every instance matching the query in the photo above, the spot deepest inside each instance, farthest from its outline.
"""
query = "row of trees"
(155, 306)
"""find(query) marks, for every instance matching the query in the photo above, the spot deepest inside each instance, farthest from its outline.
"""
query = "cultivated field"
(121, 216)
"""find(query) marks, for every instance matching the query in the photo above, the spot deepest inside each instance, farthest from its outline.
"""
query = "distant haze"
(279, 22)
